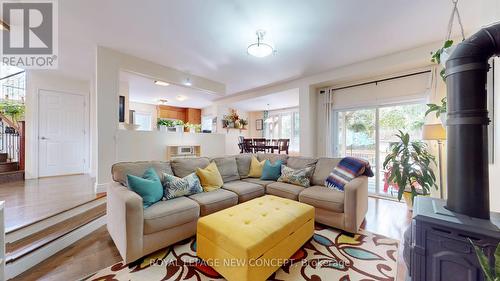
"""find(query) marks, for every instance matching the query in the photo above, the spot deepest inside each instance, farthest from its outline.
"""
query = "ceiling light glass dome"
(260, 49)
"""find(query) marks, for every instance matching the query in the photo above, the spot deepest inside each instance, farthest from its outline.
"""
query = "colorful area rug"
(328, 256)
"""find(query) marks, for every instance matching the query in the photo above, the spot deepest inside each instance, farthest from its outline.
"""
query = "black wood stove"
(436, 245)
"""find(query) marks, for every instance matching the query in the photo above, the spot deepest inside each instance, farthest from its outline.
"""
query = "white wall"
(152, 145)
(109, 63)
(231, 135)
(44, 80)
(252, 118)
(146, 109)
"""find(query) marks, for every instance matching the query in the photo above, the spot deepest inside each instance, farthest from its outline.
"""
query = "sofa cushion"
(122, 169)
(324, 167)
(297, 162)
(256, 167)
(272, 157)
(170, 213)
(228, 168)
(185, 166)
(214, 201)
(271, 171)
(148, 187)
(245, 190)
(323, 198)
(284, 190)
(264, 183)
(174, 187)
(300, 177)
(243, 163)
(210, 177)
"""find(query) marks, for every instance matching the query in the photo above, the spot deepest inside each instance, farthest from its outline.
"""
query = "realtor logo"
(30, 42)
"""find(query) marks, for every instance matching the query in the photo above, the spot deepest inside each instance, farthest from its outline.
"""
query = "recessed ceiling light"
(161, 83)
(181, 98)
(260, 49)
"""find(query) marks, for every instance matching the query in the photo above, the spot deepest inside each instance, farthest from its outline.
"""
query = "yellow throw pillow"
(210, 177)
(256, 168)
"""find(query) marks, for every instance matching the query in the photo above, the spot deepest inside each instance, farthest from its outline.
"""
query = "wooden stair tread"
(37, 240)
(14, 228)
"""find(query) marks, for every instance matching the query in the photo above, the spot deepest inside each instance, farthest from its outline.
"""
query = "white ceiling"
(209, 38)
(144, 90)
(280, 100)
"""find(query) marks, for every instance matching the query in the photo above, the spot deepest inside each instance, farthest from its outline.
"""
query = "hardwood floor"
(97, 250)
(33, 200)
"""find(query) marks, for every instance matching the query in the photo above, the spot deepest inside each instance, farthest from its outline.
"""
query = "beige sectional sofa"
(138, 232)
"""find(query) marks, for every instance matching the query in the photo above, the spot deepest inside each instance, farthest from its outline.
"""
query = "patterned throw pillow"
(300, 177)
(174, 187)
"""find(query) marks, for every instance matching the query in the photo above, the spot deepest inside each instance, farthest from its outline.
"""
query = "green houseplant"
(13, 110)
(408, 168)
(440, 110)
(436, 56)
(490, 273)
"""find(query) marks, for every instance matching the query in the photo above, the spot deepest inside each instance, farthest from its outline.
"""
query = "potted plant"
(243, 123)
(440, 110)
(490, 273)
(408, 168)
(165, 125)
(441, 56)
(13, 110)
(193, 128)
(179, 126)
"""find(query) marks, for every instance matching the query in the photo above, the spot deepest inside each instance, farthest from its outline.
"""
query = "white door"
(61, 133)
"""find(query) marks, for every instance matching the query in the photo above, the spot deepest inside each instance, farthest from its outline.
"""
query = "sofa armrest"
(125, 221)
(356, 203)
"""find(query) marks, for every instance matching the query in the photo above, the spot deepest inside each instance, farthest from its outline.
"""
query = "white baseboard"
(17, 267)
(101, 187)
(26, 231)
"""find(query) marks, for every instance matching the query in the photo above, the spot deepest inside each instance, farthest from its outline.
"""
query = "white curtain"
(327, 109)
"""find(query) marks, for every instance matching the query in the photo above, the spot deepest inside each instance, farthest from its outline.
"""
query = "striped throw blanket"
(347, 169)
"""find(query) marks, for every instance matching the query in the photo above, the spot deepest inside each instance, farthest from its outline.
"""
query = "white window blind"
(407, 89)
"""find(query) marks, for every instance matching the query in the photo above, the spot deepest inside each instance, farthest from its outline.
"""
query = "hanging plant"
(436, 56)
(442, 54)
(439, 109)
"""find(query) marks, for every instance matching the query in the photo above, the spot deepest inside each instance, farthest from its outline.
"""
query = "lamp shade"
(433, 132)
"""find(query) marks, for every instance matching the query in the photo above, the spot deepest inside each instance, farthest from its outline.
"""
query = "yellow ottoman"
(252, 240)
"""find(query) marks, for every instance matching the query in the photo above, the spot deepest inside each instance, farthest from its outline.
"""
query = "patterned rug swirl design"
(329, 255)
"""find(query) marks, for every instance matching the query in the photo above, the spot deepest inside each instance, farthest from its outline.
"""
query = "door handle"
(43, 138)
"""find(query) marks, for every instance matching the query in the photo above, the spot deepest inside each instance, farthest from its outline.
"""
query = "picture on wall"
(259, 124)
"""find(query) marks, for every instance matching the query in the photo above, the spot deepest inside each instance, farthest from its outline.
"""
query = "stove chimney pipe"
(467, 123)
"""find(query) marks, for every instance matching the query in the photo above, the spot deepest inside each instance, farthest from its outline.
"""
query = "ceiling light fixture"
(163, 101)
(161, 83)
(260, 49)
(188, 82)
(181, 98)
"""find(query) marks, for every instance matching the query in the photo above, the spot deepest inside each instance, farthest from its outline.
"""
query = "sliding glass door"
(368, 133)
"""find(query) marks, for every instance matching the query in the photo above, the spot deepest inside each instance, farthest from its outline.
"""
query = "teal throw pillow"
(271, 171)
(148, 187)
(176, 187)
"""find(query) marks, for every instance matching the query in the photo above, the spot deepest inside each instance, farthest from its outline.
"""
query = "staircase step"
(8, 167)
(11, 176)
(20, 248)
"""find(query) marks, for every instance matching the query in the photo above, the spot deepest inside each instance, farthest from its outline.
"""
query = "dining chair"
(259, 145)
(247, 146)
(283, 145)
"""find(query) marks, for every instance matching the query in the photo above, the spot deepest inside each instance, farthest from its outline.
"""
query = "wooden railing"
(12, 141)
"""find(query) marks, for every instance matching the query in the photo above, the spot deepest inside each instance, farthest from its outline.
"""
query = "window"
(143, 120)
(368, 133)
(284, 125)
